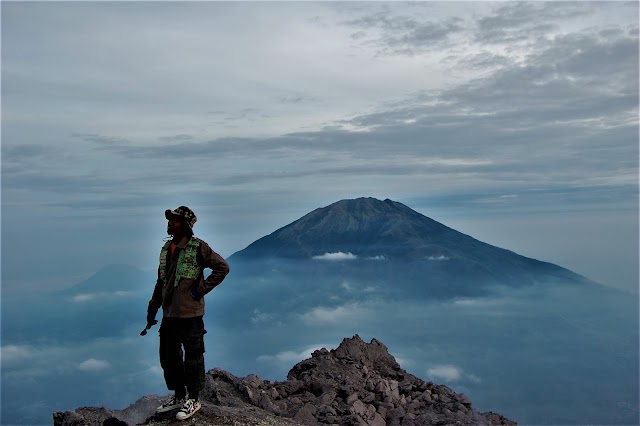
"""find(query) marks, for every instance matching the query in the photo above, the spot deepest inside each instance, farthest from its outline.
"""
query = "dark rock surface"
(358, 384)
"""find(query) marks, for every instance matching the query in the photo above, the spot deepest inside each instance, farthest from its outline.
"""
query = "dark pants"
(183, 369)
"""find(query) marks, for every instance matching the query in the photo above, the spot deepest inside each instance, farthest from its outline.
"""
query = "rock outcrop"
(358, 384)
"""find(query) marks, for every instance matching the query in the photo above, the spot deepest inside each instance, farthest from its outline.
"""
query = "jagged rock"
(100, 416)
(306, 415)
(497, 419)
(356, 384)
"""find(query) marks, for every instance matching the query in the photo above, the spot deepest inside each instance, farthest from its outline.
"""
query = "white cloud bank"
(12, 353)
(322, 315)
(445, 372)
(451, 373)
(440, 258)
(259, 316)
(93, 364)
(289, 357)
(345, 256)
(88, 297)
(79, 298)
(336, 256)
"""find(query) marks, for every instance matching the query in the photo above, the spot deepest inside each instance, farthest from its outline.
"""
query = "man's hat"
(184, 212)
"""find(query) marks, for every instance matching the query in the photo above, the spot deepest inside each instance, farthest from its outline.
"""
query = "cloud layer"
(549, 336)
(336, 256)
(93, 364)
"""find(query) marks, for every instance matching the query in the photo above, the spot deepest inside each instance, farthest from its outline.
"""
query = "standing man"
(180, 291)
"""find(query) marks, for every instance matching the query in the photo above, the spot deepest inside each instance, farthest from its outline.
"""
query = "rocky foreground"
(357, 383)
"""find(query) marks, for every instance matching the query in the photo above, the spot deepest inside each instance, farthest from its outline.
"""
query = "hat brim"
(172, 213)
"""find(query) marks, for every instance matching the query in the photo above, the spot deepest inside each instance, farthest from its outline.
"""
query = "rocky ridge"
(358, 384)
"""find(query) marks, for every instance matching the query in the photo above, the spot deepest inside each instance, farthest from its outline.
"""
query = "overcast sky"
(516, 123)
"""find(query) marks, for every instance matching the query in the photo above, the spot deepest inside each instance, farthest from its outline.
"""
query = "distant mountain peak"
(111, 278)
(363, 226)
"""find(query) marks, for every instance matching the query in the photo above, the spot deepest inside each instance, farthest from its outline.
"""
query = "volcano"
(388, 241)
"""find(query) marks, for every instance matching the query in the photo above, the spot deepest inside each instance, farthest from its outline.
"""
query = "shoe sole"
(187, 416)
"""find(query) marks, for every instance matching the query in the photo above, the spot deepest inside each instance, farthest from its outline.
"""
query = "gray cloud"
(521, 21)
(482, 60)
(297, 99)
(100, 140)
(403, 35)
(542, 94)
(552, 102)
(22, 152)
(176, 138)
(607, 62)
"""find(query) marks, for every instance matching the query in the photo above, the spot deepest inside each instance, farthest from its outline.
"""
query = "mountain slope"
(111, 278)
(388, 231)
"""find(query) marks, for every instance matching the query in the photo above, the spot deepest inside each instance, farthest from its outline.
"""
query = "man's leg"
(171, 356)
(194, 357)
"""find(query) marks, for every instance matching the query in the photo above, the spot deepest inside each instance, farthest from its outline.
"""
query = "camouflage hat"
(184, 212)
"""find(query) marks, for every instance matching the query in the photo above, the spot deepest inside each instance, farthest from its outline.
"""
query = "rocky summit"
(357, 383)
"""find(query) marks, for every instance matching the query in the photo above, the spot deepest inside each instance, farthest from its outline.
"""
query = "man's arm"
(156, 301)
(219, 269)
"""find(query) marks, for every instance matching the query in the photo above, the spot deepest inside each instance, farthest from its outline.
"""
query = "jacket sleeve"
(219, 269)
(156, 298)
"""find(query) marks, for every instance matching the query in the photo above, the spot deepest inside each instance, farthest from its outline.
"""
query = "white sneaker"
(188, 409)
(172, 404)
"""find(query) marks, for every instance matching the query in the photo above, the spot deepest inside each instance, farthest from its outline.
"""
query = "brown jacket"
(178, 301)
